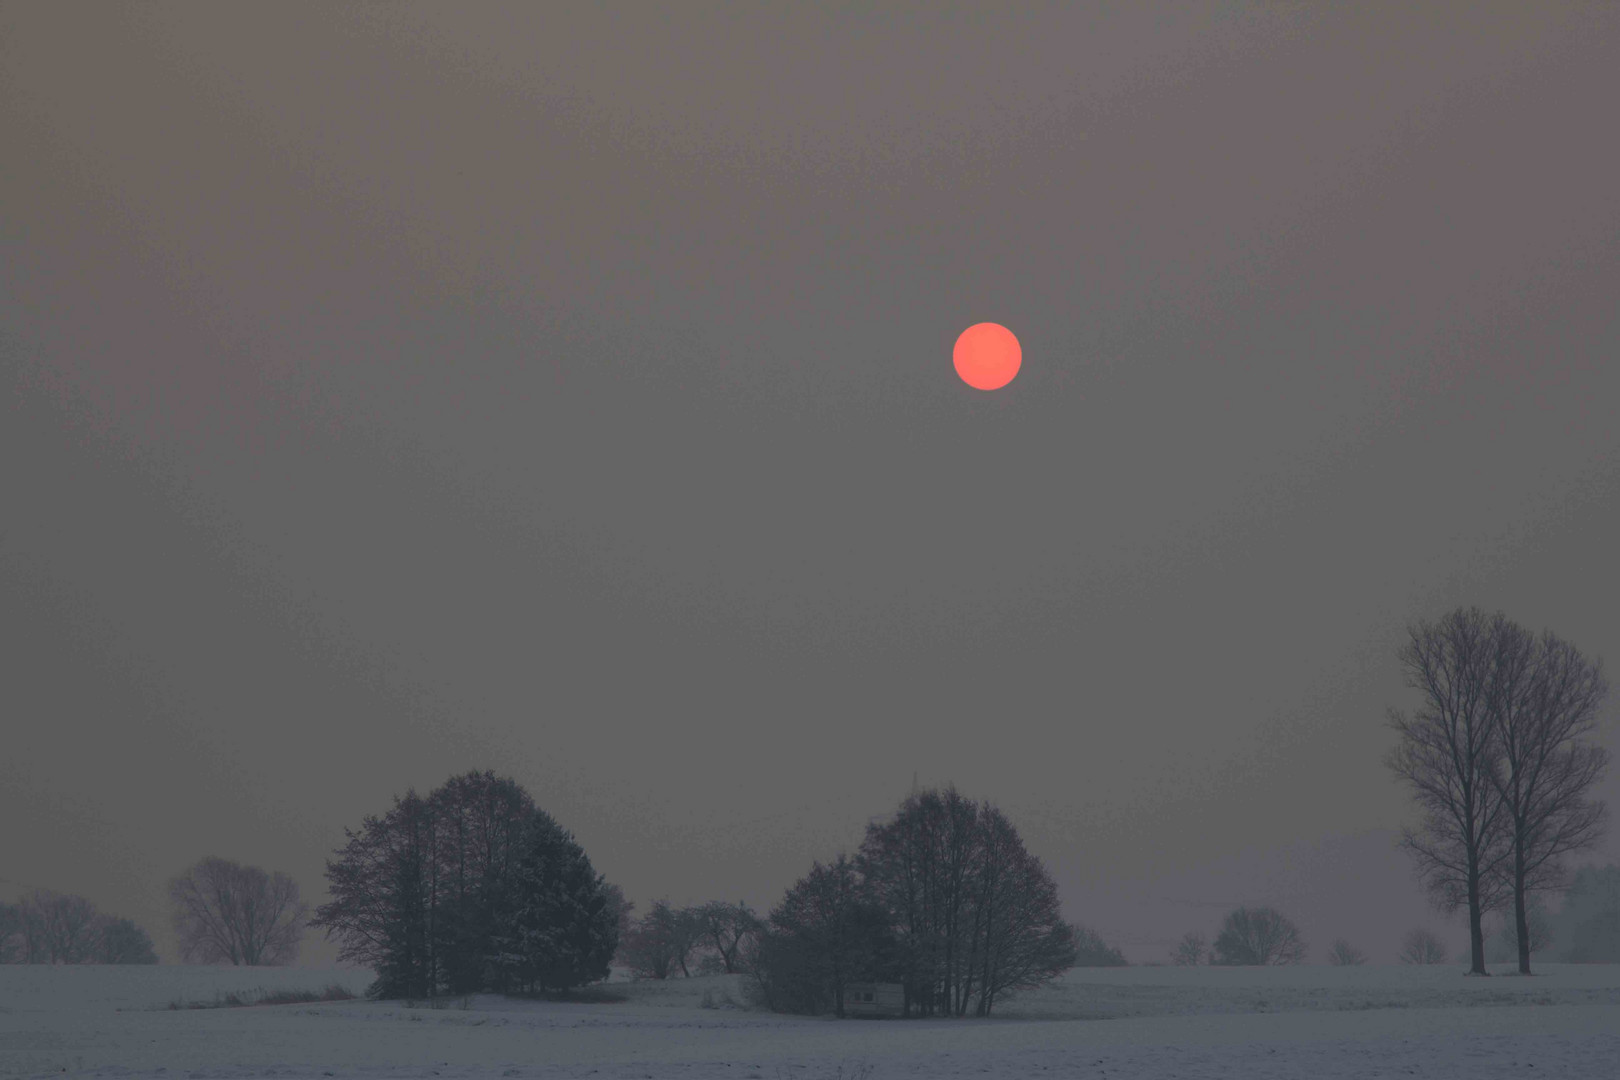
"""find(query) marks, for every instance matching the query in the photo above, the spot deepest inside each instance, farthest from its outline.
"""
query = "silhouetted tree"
(1018, 939)
(976, 914)
(563, 928)
(121, 941)
(1259, 935)
(1191, 950)
(826, 934)
(479, 821)
(57, 928)
(1543, 699)
(430, 895)
(1422, 946)
(1090, 950)
(1344, 954)
(727, 927)
(1447, 752)
(661, 941)
(225, 912)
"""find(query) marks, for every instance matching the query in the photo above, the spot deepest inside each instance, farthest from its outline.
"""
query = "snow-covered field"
(1302, 1022)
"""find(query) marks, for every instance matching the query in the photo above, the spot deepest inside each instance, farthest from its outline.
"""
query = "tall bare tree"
(225, 912)
(1544, 700)
(1447, 752)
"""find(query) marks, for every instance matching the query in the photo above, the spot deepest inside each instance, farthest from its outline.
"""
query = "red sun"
(987, 356)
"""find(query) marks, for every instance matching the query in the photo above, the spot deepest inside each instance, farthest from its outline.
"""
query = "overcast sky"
(390, 391)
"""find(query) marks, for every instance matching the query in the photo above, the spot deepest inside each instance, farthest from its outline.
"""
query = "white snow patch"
(1143, 1023)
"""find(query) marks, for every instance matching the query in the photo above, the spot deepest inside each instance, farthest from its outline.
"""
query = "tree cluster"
(714, 938)
(943, 899)
(46, 927)
(1498, 761)
(227, 913)
(469, 888)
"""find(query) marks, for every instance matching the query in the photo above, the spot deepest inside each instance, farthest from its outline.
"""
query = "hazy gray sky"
(393, 390)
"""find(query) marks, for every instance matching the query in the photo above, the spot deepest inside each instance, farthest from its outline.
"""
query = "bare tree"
(1017, 937)
(1344, 954)
(225, 912)
(1422, 947)
(57, 928)
(661, 941)
(1090, 950)
(727, 927)
(1191, 950)
(1544, 700)
(1260, 935)
(1447, 752)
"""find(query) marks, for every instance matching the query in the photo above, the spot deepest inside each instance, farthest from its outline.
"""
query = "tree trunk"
(1476, 932)
(1521, 917)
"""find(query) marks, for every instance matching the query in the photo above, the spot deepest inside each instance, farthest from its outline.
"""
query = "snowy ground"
(1116, 1023)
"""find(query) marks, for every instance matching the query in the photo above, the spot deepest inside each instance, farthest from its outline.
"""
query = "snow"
(1115, 1023)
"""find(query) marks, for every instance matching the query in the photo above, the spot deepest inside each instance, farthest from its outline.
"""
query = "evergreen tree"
(562, 929)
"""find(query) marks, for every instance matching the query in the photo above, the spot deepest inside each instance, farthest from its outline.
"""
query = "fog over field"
(395, 392)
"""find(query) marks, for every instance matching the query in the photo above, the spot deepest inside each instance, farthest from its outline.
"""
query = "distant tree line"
(943, 899)
(1585, 929)
(469, 888)
(47, 927)
(1498, 758)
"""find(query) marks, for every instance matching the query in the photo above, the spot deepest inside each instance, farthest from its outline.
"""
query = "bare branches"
(1344, 954)
(1448, 755)
(1544, 699)
(1191, 950)
(1262, 935)
(727, 927)
(225, 912)
(1422, 947)
(1496, 760)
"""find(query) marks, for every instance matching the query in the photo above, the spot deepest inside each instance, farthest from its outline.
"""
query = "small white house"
(874, 999)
